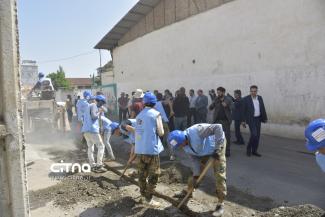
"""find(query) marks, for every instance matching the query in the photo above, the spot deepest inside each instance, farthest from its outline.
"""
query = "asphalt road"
(285, 174)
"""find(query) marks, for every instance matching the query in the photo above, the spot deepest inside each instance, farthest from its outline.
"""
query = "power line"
(68, 58)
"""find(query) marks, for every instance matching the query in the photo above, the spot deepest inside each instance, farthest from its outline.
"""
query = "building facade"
(29, 72)
(277, 45)
(106, 73)
(80, 83)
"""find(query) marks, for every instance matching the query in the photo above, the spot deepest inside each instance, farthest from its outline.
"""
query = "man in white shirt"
(254, 114)
(192, 111)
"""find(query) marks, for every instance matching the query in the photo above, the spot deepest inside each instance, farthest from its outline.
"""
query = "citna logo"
(66, 167)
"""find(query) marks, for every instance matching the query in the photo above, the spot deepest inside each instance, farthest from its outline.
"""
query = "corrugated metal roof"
(141, 9)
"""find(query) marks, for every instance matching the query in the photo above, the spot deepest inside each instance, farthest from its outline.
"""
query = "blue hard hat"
(176, 138)
(41, 75)
(114, 126)
(149, 98)
(87, 94)
(315, 134)
(101, 98)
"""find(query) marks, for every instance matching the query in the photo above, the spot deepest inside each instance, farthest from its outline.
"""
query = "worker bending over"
(148, 128)
(127, 129)
(315, 136)
(109, 129)
(200, 142)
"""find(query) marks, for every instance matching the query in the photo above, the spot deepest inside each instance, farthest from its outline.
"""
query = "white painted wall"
(278, 45)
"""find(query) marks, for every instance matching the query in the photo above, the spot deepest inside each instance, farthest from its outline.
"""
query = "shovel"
(125, 169)
(190, 191)
(128, 165)
(119, 181)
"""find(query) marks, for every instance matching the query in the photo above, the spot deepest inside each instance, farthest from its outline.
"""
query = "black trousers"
(201, 117)
(226, 128)
(122, 114)
(239, 137)
(70, 115)
(255, 130)
(191, 113)
(171, 123)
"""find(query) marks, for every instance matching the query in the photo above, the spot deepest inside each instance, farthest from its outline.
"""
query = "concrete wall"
(29, 73)
(277, 45)
(61, 94)
(107, 77)
(13, 199)
(167, 12)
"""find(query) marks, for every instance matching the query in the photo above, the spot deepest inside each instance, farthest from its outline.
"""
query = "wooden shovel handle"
(190, 191)
(128, 165)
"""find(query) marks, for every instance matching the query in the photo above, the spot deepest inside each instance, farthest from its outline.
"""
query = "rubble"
(70, 192)
(296, 211)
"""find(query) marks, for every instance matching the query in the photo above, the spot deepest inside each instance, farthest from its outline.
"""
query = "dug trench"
(117, 198)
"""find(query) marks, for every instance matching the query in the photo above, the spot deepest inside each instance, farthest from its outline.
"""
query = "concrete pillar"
(13, 191)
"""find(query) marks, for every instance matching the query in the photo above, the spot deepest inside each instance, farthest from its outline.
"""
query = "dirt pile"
(102, 193)
(173, 173)
(71, 191)
(296, 211)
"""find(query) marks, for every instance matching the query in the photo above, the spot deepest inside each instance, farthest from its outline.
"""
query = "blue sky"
(56, 29)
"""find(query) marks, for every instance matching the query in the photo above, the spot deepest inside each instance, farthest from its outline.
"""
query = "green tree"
(58, 79)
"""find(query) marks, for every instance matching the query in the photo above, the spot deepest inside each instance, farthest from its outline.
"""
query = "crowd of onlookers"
(184, 110)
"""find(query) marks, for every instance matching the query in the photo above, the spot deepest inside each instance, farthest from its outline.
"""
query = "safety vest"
(130, 135)
(82, 105)
(106, 123)
(147, 140)
(159, 107)
(90, 125)
(199, 146)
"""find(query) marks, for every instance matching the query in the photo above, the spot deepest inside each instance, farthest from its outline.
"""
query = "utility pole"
(100, 68)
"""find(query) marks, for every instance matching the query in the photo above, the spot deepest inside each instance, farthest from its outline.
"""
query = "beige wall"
(277, 45)
(107, 77)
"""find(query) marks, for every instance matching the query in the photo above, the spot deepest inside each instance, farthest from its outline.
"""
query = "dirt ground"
(296, 211)
(101, 195)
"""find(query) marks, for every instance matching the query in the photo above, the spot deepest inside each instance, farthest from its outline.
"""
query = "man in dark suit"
(254, 114)
(201, 107)
(222, 106)
(237, 115)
